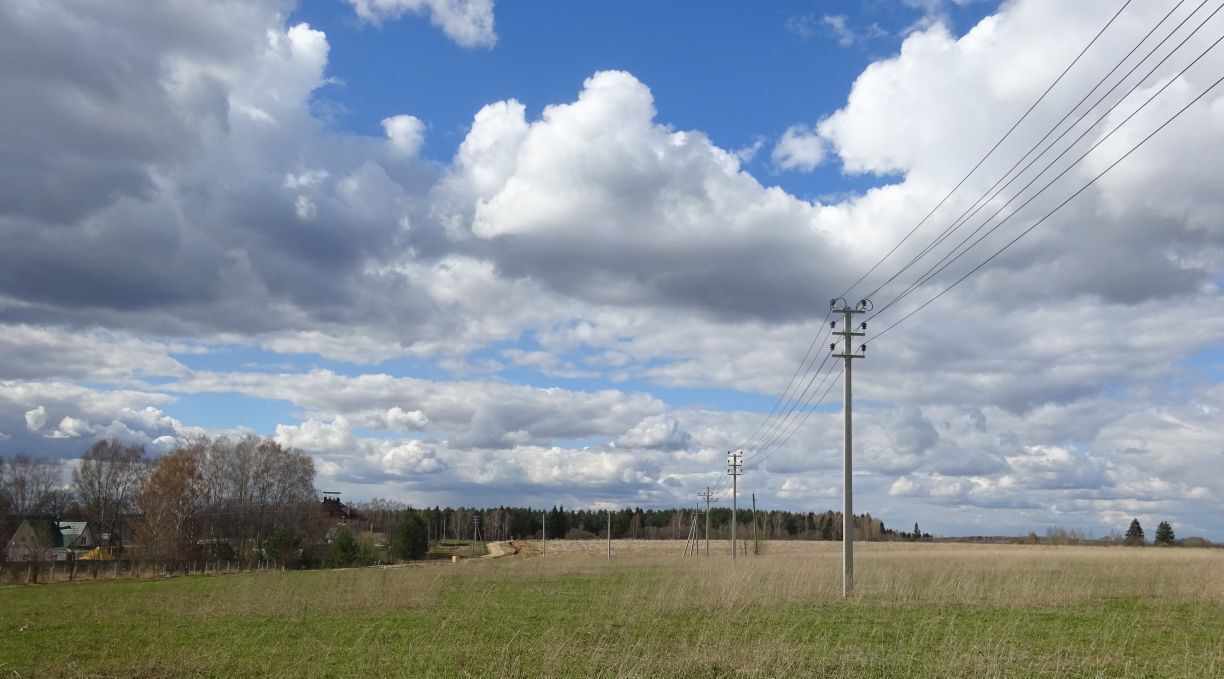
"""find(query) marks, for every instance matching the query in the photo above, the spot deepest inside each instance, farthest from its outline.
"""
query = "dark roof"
(8, 526)
(336, 509)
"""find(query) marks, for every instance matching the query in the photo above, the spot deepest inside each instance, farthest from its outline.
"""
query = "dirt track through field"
(500, 549)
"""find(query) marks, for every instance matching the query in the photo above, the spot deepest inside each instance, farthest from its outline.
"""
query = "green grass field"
(920, 610)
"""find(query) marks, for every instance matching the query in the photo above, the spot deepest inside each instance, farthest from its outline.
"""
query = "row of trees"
(504, 523)
(207, 493)
(1136, 536)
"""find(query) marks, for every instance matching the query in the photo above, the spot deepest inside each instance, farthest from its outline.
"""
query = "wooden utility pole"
(756, 544)
(706, 496)
(544, 532)
(848, 334)
(609, 533)
(689, 538)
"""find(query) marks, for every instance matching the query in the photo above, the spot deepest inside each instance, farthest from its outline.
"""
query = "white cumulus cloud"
(36, 418)
(467, 22)
(405, 133)
(800, 148)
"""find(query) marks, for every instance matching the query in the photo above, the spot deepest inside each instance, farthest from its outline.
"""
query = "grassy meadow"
(919, 610)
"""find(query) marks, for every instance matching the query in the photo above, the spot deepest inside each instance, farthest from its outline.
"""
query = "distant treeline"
(505, 523)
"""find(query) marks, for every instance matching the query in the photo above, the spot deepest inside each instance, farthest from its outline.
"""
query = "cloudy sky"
(549, 252)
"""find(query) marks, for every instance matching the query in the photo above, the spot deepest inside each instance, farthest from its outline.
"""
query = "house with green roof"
(46, 539)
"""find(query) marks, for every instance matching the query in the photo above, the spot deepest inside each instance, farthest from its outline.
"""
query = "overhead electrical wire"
(778, 432)
(816, 339)
(948, 232)
(788, 406)
(766, 451)
(945, 262)
(1037, 223)
(807, 413)
(780, 423)
(991, 193)
(997, 144)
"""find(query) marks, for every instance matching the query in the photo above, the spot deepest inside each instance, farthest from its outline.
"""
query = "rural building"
(44, 539)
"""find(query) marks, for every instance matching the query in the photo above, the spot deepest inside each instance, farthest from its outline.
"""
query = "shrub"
(343, 551)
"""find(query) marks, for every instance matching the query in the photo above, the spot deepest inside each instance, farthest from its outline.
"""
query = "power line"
(794, 379)
(991, 193)
(807, 413)
(784, 435)
(1059, 207)
(764, 454)
(779, 423)
(944, 263)
(778, 426)
(997, 144)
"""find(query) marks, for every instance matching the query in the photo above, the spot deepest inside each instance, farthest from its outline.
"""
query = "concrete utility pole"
(544, 532)
(706, 496)
(735, 469)
(609, 533)
(847, 334)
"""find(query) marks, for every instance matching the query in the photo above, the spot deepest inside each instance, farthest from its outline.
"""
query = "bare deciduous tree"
(107, 482)
(27, 485)
(253, 487)
(168, 504)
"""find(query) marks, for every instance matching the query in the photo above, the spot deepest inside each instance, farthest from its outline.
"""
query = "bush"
(282, 546)
(343, 551)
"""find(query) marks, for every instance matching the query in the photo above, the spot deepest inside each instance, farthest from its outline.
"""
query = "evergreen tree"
(282, 546)
(409, 541)
(1134, 534)
(343, 551)
(1164, 534)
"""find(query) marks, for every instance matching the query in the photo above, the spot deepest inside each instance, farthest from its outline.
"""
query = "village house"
(46, 539)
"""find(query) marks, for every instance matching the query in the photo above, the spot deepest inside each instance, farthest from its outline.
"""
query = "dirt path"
(500, 549)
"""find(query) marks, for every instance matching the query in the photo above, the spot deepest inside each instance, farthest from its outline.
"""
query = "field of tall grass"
(919, 610)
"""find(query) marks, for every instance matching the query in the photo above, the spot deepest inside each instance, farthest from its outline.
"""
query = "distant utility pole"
(544, 532)
(735, 468)
(609, 533)
(706, 496)
(756, 544)
(848, 334)
(694, 532)
(690, 541)
(476, 528)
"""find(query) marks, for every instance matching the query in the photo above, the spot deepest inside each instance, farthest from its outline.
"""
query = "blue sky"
(522, 252)
(738, 71)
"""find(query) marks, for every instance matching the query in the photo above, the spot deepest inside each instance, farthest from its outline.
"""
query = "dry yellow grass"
(918, 610)
(934, 573)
